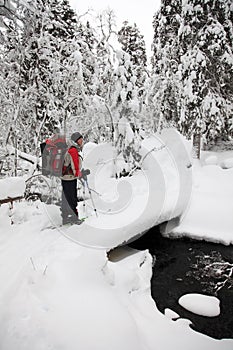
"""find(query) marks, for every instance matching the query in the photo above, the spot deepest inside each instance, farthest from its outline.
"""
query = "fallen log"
(10, 199)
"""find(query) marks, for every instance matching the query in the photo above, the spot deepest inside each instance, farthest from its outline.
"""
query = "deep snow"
(209, 213)
(57, 294)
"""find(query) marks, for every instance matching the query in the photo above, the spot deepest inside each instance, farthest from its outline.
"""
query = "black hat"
(76, 136)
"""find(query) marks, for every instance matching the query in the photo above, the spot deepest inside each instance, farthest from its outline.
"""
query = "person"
(70, 173)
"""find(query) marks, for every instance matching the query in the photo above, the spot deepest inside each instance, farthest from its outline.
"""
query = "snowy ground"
(57, 294)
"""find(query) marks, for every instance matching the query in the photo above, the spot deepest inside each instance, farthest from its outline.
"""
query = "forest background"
(58, 72)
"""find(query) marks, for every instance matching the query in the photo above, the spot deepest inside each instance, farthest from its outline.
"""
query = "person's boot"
(65, 220)
(74, 219)
(70, 219)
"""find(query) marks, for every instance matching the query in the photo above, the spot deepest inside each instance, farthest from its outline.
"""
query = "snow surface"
(60, 295)
(200, 304)
(57, 294)
(209, 214)
(12, 187)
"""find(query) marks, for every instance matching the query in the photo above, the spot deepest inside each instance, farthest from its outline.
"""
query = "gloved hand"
(85, 172)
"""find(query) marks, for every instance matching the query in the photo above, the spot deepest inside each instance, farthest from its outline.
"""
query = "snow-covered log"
(129, 206)
(10, 188)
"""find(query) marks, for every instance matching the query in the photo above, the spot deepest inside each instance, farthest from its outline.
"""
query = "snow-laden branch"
(22, 155)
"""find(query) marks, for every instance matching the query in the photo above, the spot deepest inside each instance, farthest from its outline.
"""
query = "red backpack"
(53, 152)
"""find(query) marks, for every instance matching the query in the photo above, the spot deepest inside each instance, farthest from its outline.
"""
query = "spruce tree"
(133, 43)
(206, 67)
(165, 60)
(63, 20)
(166, 24)
(125, 91)
(193, 67)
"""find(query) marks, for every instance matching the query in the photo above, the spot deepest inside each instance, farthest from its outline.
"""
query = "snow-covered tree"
(166, 24)
(206, 67)
(44, 70)
(193, 66)
(128, 141)
(125, 90)
(165, 60)
(106, 54)
(87, 42)
(103, 77)
(63, 19)
(10, 96)
(133, 43)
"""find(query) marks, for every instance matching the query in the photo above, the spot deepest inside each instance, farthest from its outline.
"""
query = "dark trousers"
(69, 198)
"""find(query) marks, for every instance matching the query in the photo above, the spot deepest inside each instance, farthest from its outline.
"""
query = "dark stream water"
(181, 267)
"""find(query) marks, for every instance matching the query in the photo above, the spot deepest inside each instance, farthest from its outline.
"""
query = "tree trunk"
(197, 144)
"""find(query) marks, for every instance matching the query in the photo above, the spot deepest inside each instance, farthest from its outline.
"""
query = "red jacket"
(72, 164)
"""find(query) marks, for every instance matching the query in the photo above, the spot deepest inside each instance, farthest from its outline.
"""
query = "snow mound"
(12, 187)
(200, 304)
(223, 159)
(120, 210)
(88, 147)
(227, 163)
(209, 214)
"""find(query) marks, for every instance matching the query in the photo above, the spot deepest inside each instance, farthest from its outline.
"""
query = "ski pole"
(89, 190)
(98, 194)
(84, 201)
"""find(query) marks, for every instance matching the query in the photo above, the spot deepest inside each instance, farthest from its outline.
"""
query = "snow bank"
(128, 207)
(130, 277)
(12, 187)
(223, 159)
(209, 215)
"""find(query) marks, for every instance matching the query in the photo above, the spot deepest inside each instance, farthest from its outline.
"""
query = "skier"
(70, 173)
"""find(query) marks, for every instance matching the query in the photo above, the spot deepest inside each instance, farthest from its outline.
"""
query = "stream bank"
(185, 266)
